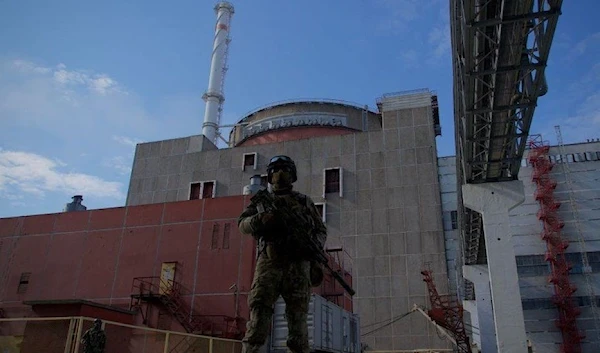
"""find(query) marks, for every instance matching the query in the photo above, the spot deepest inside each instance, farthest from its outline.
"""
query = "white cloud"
(29, 67)
(589, 111)
(121, 163)
(128, 141)
(396, 16)
(439, 38)
(24, 172)
(410, 58)
(582, 46)
(61, 101)
(89, 120)
(98, 83)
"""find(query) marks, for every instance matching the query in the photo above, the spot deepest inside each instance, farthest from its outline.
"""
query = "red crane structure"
(555, 245)
(447, 312)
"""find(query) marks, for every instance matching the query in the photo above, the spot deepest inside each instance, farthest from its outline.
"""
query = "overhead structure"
(500, 51)
(214, 96)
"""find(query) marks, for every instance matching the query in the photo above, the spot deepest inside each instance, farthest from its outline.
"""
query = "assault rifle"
(266, 203)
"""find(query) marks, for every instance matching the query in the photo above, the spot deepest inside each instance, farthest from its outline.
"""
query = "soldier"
(94, 339)
(282, 268)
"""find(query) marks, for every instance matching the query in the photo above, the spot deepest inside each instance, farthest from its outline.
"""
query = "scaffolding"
(587, 269)
(447, 312)
(555, 245)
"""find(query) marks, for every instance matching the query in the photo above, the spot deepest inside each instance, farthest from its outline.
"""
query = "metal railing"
(64, 335)
(169, 294)
(405, 93)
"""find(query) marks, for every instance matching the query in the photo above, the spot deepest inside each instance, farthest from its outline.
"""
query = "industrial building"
(372, 174)
(574, 176)
(391, 206)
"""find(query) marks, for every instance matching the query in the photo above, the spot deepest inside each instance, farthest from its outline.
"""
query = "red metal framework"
(447, 312)
(330, 289)
(169, 294)
(555, 245)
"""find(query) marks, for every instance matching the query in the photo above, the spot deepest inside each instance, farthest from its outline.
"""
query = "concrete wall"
(580, 210)
(530, 248)
(95, 255)
(447, 177)
(388, 217)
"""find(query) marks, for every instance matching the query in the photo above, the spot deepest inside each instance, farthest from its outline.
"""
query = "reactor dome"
(298, 119)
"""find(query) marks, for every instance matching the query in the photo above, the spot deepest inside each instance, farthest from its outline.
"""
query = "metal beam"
(504, 69)
(499, 51)
(500, 109)
(518, 18)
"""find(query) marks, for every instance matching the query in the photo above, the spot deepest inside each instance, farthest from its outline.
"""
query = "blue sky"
(81, 83)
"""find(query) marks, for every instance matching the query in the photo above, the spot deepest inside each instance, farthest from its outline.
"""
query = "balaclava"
(281, 179)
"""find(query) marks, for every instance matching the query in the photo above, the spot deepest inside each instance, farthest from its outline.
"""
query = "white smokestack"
(214, 95)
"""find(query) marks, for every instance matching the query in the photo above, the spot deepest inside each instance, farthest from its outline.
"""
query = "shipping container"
(330, 328)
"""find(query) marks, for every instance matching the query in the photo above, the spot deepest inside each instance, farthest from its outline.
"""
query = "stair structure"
(555, 245)
(168, 294)
(447, 312)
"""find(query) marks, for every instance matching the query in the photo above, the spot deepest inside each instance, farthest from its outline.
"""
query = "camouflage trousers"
(271, 279)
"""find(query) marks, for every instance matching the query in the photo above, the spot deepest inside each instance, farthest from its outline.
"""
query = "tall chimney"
(218, 66)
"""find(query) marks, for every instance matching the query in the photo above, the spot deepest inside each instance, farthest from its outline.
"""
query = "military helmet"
(282, 160)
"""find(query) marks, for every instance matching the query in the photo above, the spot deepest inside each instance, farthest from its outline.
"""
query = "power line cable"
(388, 324)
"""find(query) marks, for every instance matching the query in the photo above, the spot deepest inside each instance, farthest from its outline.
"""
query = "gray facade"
(387, 214)
(536, 292)
(447, 177)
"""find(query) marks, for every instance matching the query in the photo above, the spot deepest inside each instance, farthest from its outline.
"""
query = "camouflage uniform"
(94, 339)
(281, 270)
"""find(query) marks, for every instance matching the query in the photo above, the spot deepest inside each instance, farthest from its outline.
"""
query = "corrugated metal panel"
(330, 328)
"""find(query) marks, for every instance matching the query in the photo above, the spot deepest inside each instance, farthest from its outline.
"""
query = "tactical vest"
(288, 237)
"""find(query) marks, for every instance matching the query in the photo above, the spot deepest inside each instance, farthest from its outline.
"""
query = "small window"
(23, 282)
(591, 156)
(215, 237)
(322, 210)
(558, 159)
(208, 190)
(454, 219)
(226, 232)
(202, 190)
(332, 181)
(195, 191)
(249, 161)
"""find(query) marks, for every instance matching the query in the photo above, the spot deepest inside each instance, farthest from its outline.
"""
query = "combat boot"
(250, 348)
